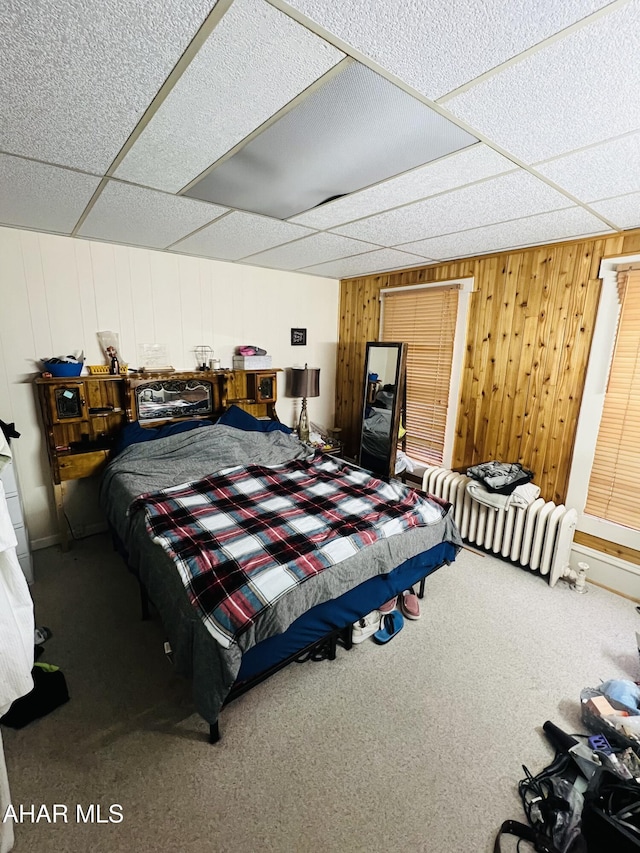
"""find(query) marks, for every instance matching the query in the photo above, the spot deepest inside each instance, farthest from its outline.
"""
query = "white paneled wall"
(56, 293)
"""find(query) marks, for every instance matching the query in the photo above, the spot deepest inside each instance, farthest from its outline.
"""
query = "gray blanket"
(190, 456)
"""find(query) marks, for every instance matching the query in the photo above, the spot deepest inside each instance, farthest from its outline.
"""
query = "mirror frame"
(389, 467)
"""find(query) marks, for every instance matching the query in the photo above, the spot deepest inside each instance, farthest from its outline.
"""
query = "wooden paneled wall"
(530, 325)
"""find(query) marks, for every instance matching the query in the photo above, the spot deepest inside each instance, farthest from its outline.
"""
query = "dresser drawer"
(22, 548)
(15, 510)
(27, 567)
(82, 464)
(9, 480)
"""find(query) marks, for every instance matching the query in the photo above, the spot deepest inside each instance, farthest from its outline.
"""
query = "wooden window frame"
(465, 289)
(597, 377)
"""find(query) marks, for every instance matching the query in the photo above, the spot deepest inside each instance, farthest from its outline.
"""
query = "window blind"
(425, 319)
(616, 469)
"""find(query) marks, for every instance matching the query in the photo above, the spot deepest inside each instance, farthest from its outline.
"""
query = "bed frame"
(324, 648)
(170, 398)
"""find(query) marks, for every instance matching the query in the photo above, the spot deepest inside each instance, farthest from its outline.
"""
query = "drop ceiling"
(336, 139)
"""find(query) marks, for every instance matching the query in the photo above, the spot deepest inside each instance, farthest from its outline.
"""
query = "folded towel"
(482, 496)
(524, 495)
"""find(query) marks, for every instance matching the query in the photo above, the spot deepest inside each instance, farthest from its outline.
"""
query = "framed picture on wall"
(298, 337)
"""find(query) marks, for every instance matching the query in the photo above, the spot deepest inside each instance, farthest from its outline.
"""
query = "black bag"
(49, 691)
(541, 843)
(611, 813)
(500, 478)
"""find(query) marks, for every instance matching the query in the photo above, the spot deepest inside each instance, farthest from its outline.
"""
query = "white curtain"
(16, 636)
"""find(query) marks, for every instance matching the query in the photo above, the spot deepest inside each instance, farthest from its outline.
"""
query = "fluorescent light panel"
(354, 131)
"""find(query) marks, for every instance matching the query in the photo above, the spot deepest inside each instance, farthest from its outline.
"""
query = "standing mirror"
(384, 390)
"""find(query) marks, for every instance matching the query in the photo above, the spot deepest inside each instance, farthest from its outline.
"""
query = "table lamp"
(305, 382)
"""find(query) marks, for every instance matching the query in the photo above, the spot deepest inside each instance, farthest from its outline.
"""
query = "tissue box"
(251, 362)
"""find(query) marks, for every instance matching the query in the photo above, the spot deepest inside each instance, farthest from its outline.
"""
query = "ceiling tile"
(76, 76)
(141, 217)
(34, 195)
(603, 171)
(623, 211)
(315, 249)
(256, 60)
(240, 234)
(370, 262)
(438, 46)
(472, 164)
(496, 200)
(580, 89)
(544, 228)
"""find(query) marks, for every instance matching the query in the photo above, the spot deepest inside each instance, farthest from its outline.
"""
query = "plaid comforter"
(244, 537)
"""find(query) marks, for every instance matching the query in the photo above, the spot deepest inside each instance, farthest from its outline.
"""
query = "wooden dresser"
(255, 391)
(81, 417)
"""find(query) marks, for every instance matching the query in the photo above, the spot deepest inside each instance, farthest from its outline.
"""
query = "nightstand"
(330, 449)
(255, 391)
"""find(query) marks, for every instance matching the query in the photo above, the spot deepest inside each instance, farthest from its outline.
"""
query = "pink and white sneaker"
(410, 605)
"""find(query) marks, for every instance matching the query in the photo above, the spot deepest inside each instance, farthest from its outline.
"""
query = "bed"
(175, 504)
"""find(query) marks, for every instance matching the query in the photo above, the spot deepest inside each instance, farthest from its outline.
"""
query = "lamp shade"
(305, 381)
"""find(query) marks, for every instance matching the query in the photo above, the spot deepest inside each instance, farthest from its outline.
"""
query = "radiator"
(537, 537)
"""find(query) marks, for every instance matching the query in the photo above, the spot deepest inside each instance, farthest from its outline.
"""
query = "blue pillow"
(238, 418)
(134, 433)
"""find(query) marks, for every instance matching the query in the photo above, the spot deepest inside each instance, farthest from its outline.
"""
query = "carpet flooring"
(416, 745)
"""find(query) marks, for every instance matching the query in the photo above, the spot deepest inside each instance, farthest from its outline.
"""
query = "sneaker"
(389, 606)
(410, 604)
(366, 627)
(41, 635)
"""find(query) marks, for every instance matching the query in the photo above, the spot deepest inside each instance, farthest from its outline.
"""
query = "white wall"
(56, 293)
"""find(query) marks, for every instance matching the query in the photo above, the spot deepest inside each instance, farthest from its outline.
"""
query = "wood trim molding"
(622, 552)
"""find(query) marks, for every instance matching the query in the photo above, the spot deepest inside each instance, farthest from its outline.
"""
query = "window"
(428, 319)
(616, 466)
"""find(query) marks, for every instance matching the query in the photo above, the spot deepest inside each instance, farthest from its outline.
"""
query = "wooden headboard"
(155, 399)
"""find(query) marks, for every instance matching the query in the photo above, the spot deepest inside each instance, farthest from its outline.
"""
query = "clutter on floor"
(588, 799)
(388, 620)
(49, 692)
(49, 688)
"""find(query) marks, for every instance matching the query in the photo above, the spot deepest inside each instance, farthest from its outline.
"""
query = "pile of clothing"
(501, 485)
